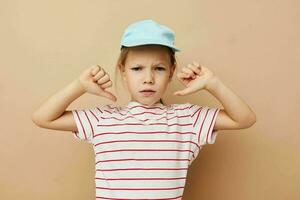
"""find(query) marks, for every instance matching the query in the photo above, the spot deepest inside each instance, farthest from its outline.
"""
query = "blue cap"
(148, 32)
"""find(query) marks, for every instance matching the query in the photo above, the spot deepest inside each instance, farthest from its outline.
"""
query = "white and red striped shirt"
(143, 152)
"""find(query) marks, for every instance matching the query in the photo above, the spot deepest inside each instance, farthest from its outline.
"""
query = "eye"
(161, 68)
(135, 68)
(138, 68)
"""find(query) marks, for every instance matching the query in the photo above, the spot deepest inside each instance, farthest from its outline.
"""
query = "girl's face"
(147, 69)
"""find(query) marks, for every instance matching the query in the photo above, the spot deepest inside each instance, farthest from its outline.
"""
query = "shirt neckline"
(147, 114)
(132, 104)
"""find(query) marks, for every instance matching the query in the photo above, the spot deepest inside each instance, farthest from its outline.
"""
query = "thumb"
(109, 95)
(183, 92)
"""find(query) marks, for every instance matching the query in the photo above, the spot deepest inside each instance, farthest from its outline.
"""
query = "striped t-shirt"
(141, 151)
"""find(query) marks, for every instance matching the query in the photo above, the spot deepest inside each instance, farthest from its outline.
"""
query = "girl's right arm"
(52, 114)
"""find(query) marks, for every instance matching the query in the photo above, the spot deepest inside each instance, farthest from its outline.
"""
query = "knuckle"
(105, 77)
(96, 68)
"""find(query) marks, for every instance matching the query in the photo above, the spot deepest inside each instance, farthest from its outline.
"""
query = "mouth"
(147, 92)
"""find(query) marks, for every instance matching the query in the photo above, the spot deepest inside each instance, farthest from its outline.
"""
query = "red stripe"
(200, 132)
(99, 110)
(105, 188)
(139, 159)
(113, 108)
(185, 108)
(160, 150)
(94, 115)
(196, 111)
(90, 124)
(138, 199)
(139, 179)
(127, 117)
(192, 105)
(149, 141)
(200, 109)
(81, 123)
(122, 169)
(210, 126)
(107, 111)
(135, 124)
(151, 108)
(141, 113)
(142, 133)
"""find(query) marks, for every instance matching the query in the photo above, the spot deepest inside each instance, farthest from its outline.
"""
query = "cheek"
(164, 81)
(132, 81)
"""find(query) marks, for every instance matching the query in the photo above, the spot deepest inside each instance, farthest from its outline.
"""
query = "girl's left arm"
(236, 113)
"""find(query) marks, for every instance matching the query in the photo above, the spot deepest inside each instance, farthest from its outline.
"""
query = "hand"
(95, 80)
(194, 77)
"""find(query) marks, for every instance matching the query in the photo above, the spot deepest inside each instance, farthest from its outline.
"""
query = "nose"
(149, 77)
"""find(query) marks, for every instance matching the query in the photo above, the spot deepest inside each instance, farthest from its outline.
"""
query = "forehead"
(146, 54)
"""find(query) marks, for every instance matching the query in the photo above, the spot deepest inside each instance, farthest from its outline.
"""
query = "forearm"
(56, 105)
(234, 106)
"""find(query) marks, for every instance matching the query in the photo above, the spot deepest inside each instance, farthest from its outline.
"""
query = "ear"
(123, 76)
(172, 69)
(122, 71)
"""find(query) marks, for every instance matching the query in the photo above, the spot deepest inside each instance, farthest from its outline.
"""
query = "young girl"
(144, 149)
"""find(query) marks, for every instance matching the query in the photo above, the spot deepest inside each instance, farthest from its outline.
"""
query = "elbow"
(248, 122)
(37, 121)
(251, 120)
(34, 119)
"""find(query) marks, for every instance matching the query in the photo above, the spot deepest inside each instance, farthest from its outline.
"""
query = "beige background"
(253, 46)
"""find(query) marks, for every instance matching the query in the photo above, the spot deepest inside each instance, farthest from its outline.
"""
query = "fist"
(95, 81)
(194, 77)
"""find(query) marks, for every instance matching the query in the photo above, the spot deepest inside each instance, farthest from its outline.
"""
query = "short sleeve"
(86, 121)
(203, 119)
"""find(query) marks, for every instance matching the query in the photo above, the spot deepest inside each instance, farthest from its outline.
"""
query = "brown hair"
(123, 55)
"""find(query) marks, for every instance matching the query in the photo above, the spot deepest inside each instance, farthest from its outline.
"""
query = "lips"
(148, 90)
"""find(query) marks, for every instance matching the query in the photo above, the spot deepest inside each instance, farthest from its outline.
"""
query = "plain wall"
(252, 46)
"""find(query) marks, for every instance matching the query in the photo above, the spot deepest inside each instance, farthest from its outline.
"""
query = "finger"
(183, 80)
(107, 84)
(99, 75)
(197, 64)
(95, 69)
(189, 72)
(195, 68)
(110, 95)
(102, 69)
(182, 75)
(104, 79)
(185, 91)
(200, 67)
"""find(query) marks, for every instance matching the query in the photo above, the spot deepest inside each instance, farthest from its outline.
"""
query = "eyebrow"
(137, 64)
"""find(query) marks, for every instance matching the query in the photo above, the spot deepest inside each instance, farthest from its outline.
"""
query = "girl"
(143, 150)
